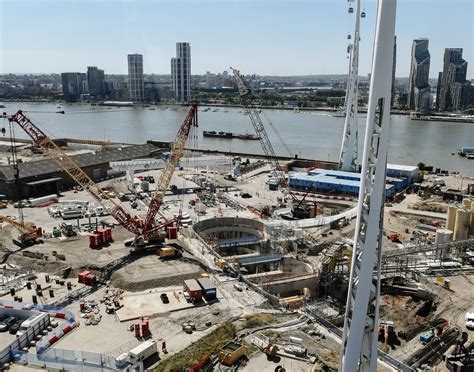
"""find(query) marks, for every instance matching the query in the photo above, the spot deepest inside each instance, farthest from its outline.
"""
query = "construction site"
(160, 257)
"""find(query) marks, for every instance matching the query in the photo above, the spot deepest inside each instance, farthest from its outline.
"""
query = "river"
(315, 135)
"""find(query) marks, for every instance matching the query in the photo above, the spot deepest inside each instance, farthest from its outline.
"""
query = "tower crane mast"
(360, 338)
(349, 146)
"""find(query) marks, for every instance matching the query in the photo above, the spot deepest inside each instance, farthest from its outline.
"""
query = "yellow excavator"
(28, 234)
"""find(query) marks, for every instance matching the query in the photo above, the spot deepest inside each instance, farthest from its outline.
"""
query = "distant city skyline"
(265, 37)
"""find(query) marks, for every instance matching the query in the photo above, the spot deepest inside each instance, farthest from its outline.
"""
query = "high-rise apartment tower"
(135, 78)
(419, 91)
(181, 72)
(453, 88)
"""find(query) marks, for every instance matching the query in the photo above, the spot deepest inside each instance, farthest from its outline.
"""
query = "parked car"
(164, 298)
(6, 324)
(14, 328)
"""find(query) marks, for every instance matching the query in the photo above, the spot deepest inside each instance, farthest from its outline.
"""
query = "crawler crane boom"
(68, 164)
(177, 149)
(246, 98)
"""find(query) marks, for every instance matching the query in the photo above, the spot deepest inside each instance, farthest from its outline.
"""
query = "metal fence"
(61, 359)
(31, 334)
(20, 342)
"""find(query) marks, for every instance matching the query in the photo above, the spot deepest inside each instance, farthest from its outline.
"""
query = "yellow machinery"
(28, 235)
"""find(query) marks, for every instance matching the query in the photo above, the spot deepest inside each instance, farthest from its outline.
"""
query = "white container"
(443, 236)
(142, 351)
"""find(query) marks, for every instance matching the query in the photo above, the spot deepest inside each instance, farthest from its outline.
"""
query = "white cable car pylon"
(360, 338)
(348, 153)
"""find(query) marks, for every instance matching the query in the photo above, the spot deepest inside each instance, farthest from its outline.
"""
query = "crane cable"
(278, 134)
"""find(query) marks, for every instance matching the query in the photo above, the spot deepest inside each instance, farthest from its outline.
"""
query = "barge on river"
(230, 135)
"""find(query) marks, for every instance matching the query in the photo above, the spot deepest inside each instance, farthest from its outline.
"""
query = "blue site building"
(399, 177)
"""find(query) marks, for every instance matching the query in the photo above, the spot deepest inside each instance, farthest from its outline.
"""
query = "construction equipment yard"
(259, 264)
(166, 258)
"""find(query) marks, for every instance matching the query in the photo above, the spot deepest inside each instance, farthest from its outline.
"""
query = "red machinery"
(133, 224)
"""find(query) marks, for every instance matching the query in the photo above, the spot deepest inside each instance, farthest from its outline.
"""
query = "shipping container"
(90, 280)
(143, 351)
(208, 289)
(193, 288)
(172, 232)
(82, 275)
(95, 240)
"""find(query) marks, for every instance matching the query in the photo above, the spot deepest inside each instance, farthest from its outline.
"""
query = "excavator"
(146, 232)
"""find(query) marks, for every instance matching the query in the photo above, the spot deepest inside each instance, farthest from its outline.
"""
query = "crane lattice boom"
(252, 111)
(177, 149)
(68, 165)
(19, 226)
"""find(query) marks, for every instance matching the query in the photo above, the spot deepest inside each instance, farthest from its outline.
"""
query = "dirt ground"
(76, 249)
(151, 272)
(451, 306)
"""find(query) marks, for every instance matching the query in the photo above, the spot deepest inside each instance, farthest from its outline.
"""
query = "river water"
(314, 135)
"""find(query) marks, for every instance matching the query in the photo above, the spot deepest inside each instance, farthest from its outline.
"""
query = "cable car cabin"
(349, 37)
(351, 10)
(362, 15)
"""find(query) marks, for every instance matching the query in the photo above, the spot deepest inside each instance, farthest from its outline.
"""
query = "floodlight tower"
(348, 153)
(359, 342)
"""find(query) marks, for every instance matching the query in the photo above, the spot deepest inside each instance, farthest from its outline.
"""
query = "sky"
(266, 37)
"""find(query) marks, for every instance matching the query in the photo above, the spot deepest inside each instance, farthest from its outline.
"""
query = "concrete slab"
(149, 303)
